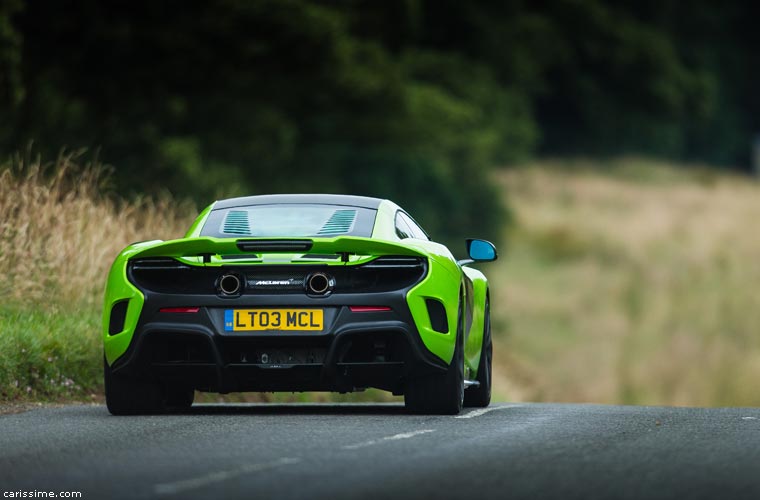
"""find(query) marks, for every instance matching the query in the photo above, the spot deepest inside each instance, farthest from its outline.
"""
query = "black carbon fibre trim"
(380, 275)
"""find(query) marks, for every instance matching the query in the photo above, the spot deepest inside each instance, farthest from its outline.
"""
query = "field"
(636, 286)
(630, 283)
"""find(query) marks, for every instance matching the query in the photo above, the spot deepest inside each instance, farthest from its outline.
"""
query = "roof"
(300, 199)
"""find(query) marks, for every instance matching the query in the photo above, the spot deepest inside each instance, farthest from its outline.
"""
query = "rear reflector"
(367, 309)
(179, 309)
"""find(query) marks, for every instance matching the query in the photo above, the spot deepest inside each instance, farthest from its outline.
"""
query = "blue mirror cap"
(481, 250)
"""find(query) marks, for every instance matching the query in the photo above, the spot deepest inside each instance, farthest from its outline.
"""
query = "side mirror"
(480, 250)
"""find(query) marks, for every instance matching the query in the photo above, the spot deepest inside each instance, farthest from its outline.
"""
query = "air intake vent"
(237, 222)
(340, 222)
(117, 318)
(437, 314)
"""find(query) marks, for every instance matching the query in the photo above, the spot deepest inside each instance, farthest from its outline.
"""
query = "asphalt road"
(535, 451)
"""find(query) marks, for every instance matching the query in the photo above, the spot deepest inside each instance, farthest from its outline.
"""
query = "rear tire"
(480, 396)
(127, 396)
(440, 394)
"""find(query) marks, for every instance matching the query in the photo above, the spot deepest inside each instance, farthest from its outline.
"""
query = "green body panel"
(443, 286)
(195, 228)
(194, 247)
(474, 341)
(385, 228)
(444, 281)
(118, 288)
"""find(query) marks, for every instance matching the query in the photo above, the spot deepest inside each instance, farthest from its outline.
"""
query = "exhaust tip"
(319, 284)
(230, 284)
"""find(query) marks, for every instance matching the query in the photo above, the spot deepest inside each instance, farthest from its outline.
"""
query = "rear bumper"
(355, 350)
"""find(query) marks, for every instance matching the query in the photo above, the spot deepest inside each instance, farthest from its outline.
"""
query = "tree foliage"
(414, 100)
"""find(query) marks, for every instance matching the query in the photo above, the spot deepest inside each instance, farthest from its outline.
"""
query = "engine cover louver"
(340, 222)
(237, 222)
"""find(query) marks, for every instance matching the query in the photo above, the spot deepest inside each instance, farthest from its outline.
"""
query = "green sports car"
(298, 293)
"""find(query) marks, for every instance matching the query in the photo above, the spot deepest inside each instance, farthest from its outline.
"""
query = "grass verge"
(59, 233)
(51, 353)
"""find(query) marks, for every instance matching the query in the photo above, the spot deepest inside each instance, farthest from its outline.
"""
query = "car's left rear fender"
(475, 337)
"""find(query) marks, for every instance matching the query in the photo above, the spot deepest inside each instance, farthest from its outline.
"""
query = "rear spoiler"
(206, 247)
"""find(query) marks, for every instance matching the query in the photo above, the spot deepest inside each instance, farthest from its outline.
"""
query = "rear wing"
(207, 247)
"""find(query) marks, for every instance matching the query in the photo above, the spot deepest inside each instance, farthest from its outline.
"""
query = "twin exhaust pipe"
(230, 285)
(319, 284)
(233, 284)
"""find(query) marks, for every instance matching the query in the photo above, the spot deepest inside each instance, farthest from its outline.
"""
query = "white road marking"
(395, 437)
(217, 477)
(749, 418)
(483, 411)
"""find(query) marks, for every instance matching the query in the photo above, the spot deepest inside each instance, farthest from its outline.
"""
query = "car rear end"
(312, 324)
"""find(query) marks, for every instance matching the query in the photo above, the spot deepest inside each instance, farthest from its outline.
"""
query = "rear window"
(296, 220)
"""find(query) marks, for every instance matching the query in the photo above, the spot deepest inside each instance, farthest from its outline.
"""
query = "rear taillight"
(366, 309)
(185, 310)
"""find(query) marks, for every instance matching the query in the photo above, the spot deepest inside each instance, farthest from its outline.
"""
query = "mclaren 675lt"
(298, 293)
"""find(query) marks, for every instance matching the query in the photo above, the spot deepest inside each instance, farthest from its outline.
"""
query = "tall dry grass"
(637, 283)
(59, 231)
